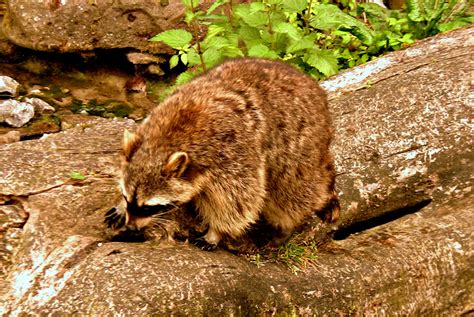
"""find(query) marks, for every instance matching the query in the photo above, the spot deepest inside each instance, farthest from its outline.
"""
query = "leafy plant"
(434, 16)
(316, 36)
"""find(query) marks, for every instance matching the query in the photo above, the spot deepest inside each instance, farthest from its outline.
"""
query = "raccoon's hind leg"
(281, 221)
(331, 211)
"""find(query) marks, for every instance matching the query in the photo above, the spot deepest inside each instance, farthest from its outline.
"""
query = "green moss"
(291, 313)
(78, 77)
(54, 92)
(107, 109)
(120, 110)
(54, 119)
(36, 66)
(76, 105)
(157, 91)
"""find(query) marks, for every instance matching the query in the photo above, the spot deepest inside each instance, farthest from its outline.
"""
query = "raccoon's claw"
(204, 245)
(113, 219)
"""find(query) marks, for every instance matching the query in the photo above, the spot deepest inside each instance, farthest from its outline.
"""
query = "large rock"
(403, 147)
(83, 25)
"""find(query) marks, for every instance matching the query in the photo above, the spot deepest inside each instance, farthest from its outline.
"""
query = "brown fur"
(252, 138)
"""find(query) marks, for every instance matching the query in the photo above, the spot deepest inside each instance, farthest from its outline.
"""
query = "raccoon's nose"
(131, 223)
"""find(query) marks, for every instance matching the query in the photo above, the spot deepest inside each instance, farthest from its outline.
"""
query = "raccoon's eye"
(147, 211)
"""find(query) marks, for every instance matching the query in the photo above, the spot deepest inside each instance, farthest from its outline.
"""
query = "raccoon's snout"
(134, 223)
(132, 227)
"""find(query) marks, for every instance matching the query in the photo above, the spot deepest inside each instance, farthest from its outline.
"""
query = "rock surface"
(403, 147)
(10, 137)
(68, 26)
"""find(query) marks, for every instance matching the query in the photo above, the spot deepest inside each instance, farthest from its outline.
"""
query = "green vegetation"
(296, 254)
(316, 36)
(77, 176)
(107, 109)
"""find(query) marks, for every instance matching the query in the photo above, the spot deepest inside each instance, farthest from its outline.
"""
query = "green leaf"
(232, 52)
(216, 42)
(185, 77)
(295, 5)
(215, 5)
(248, 33)
(212, 56)
(444, 27)
(274, 2)
(415, 10)
(324, 61)
(77, 176)
(214, 30)
(184, 58)
(193, 58)
(303, 44)
(329, 17)
(189, 17)
(241, 9)
(286, 28)
(263, 51)
(175, 38)
(255, 19)
(374, 11)
(256, 7)
(174, 61)
(345, 36)
(191, 3)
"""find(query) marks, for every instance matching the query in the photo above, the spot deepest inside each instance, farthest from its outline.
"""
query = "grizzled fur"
(246, 139)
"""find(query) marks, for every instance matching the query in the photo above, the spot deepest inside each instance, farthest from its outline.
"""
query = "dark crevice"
(343, 233)
(31, 137)
(16, 216)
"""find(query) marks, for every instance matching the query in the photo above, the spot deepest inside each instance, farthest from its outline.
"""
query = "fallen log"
(403, 247)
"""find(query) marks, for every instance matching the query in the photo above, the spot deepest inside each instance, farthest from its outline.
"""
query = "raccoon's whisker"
(161, 221)
(167, 212)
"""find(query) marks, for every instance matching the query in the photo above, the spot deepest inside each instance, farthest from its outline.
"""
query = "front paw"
(204, 245)
(114, 219)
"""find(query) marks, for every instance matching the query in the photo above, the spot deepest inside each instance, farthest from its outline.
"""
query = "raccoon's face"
(152, 185)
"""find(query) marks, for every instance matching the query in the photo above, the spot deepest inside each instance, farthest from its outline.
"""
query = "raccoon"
(247, 139)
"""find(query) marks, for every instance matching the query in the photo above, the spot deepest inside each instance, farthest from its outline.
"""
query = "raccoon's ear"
(130, 144)
(177, 163)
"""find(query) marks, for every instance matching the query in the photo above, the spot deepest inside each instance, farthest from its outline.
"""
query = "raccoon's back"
(293, 106)
(246, 108)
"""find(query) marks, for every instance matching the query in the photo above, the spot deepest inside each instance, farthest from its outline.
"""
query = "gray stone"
(155, 70)
(16, 113)
(138, 58)
(8, 86)
(403, 148)
(40, 106)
